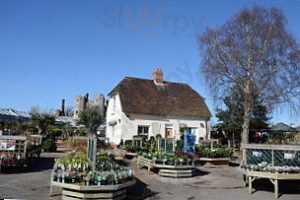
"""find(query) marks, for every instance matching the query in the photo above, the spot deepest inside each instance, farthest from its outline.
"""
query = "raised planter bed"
(81, 191)
(130, 154)
(74, 175)
(213, 162)
(175, 171)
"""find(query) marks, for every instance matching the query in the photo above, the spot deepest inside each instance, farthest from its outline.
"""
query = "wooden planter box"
(175, 171)
(213, 162)
(78, 191)
(130, 155)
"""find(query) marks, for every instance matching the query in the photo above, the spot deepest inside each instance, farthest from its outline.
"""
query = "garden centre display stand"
(275, 155)
(18, 146)
(273, 177)
(76, 191)
(176, 171)
(213, 162)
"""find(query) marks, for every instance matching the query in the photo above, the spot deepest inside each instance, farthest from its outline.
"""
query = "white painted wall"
(127, 126)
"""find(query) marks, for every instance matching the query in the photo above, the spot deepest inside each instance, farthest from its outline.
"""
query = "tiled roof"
(143, 96)
(281, 127)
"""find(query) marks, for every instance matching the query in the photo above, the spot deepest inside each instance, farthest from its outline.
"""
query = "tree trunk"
(246, 119)
(233, 141)
(229, 143)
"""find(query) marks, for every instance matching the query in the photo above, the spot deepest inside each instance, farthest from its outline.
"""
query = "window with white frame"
(192, 130)
(143, 130)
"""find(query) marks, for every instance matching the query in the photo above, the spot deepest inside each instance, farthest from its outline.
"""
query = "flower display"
(221, 152)
(166, 158)
(8, 159)
(266, 167)
(76, 168)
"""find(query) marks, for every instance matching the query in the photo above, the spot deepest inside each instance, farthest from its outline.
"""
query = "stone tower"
(78, 105)
(82, 101)
(99, 100)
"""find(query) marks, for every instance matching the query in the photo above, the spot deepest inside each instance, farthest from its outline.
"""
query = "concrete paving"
(209, 184)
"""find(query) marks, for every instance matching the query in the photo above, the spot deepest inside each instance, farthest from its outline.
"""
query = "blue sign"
(189, 142)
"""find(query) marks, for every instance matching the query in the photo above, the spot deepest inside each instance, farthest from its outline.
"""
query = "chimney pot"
(158, 76)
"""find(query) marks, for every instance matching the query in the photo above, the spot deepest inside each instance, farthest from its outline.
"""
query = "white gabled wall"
(127, 126)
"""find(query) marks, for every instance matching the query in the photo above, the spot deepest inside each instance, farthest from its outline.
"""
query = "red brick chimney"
(158, 76)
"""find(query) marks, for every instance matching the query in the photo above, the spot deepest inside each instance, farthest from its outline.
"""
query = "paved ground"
(213, 183)
(210, 184)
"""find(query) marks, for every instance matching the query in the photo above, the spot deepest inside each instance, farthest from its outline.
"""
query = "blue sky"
(54, 49)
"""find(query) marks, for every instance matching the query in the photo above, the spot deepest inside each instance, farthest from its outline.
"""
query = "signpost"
(92, 149)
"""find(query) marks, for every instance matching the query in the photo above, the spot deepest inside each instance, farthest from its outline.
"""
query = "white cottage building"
(150, 107)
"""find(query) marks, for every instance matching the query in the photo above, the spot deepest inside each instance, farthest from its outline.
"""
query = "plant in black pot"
(87, 180)
(72, 176)
(103, 179)
(111, 179)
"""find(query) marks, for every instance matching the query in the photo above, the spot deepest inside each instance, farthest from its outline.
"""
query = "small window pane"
(140, 130)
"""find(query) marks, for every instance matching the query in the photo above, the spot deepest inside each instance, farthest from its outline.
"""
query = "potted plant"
(154, 159)
(87, 180)
(103, 179)
(181, 160)
(111, 179)
(59, 174)
(72, 176)
(98, 179)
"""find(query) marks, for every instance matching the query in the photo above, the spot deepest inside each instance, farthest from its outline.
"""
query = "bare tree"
(69, 111)
(254, 52)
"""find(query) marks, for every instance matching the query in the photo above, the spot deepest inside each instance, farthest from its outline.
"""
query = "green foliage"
(167, 159)
(231, 118)
(128, 143)
(75, 160)
(49, 145)
(284, 138)
(222, 152)
(158, 136)
(179, 145)
(41, 119)
(27, 127)
(80, 132)
(182, 129)
(77, 168)
(92, 118)
(133, 148)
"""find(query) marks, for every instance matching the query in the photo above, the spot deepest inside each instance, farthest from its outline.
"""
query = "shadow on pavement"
(34, 165)
(199, 172)
(285, 187)
(123, 163)
(139, 191)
